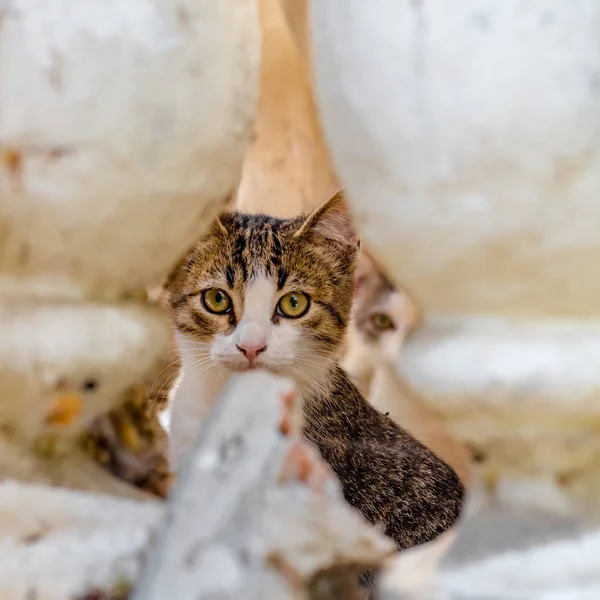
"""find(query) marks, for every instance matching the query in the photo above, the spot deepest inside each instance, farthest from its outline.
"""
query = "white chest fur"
(192, 396)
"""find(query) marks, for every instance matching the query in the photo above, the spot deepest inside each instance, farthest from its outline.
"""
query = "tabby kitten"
(260, 292)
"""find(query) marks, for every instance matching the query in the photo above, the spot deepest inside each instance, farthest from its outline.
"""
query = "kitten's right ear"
(332, 220)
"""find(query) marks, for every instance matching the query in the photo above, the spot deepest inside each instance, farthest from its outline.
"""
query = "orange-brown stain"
(12, 159)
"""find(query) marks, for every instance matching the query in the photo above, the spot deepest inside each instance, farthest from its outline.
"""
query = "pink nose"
(251, 351)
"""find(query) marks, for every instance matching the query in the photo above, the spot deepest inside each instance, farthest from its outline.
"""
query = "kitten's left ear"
(333, 221)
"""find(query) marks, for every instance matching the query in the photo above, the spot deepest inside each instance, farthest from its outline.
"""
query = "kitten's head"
(261, 292)
(382, 313)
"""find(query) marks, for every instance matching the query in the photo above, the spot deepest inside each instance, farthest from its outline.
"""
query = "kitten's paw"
(304, 463)
(285, 425)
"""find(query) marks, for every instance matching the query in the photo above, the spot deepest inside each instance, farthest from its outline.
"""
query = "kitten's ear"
(366, 269)
(220, 227)
(332, 220)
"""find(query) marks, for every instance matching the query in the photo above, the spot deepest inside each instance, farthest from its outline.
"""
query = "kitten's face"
(260, 292)
(382, 313)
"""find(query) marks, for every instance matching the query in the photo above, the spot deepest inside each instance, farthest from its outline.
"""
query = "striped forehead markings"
(230, 276)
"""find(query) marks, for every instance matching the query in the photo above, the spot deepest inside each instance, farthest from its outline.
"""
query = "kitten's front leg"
(401, 485)
(191, 400)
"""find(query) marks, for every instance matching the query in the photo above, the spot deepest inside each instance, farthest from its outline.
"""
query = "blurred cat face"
(382, 313)
(260, 292)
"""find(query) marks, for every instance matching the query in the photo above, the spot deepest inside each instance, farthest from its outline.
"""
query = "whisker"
(196, 343)
(154, 398)
(171, 364)
(315, 383)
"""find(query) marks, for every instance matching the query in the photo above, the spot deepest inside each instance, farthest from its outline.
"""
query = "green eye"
(293, 305)
(216, 301)
(381, 322)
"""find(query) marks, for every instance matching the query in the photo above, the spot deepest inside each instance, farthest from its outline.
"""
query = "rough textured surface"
(89, 353)
(55, 349)
(56, 544)
(432, 113)
(523, 394)
(254, 535)
(564, 568)
(80, 170)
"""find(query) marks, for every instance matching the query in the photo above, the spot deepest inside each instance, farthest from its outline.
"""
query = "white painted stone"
(123, 127)
(56, 543)
(466, 134)
(540, 493)
(524, 393)
(48, 350)
(505, 363)
(566, 569)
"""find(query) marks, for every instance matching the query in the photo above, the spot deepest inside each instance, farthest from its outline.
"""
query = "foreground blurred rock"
(255, 534)
(58, 544)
